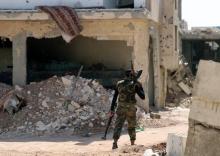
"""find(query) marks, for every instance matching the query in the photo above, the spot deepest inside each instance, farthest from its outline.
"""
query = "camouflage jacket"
(125, 92)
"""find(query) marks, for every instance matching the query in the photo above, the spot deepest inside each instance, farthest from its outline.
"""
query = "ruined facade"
(146, 32)
(201, 43)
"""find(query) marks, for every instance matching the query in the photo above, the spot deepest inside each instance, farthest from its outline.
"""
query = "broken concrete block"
(185, 88)
(204, 124)
(44, 103)
(176, 144)
(207, 80)
(12, 103)
(149, 152)
(155, 115)
(75, 105)
(71, 108)
(67, 82)
(18, 88)
(40, 126)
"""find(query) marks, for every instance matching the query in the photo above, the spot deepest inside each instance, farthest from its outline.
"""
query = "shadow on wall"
(5, 61)
(101, 59)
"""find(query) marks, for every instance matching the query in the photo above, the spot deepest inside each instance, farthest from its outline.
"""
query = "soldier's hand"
(111, 114)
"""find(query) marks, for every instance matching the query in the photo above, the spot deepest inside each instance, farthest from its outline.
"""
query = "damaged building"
(114, 33)
(201, 43)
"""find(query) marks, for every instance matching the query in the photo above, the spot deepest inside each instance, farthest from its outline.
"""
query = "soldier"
(126, 110)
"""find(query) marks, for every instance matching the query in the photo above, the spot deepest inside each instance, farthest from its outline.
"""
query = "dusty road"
(72, 145)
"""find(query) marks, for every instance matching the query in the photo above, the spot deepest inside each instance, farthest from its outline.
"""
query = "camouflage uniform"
(126, 109)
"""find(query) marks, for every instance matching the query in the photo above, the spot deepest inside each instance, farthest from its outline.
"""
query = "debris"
(156, 150)
(185, 88)
(154, 115)
(51, 109)
(12, 102)
(149, 152)
(4, 89)
(180, 84)
(176, 144)
(40, 126)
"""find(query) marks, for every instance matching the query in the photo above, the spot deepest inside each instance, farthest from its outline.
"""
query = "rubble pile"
(4, 89)
(69, 104)
(156, 150)
(180, 84)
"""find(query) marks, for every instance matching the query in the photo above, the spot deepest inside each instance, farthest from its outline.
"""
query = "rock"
(12, 103)
(154, 115)
(149, 152)
(59, 104)
(20, 128)
(44, 103)
(71, 108)
(28, 92)
(91, 125)
(75, 105)
(40, 126)
(102, 123)
(18, 88)
(84, 117)
(102, 115)
(40, 94)
(67, 82)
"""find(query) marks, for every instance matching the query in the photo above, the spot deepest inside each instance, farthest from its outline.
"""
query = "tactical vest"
(126, 89)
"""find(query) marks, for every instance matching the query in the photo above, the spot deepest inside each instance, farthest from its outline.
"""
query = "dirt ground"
(93, 145)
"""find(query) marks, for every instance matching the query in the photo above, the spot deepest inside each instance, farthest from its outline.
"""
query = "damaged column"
(204, 124)
(19, 59)
(141, 60)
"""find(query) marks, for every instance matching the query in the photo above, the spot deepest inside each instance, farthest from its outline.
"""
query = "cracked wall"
(169, 33)
(133, 31)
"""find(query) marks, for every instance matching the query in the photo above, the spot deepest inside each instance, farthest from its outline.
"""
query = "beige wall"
(155, 9)
(169, 34)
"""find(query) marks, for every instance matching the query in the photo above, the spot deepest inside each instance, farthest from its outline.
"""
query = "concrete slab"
(176, 144)
(207, 83)
(204, 124)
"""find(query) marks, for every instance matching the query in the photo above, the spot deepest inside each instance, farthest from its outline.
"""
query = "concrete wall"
(204, 125)
(88, 51)
(169, 34)
(5, 58)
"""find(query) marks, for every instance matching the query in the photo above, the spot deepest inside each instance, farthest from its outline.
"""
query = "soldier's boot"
(115, 145)
(132, 142)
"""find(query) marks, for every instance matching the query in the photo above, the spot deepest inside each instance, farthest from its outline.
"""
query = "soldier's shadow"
(75, 139)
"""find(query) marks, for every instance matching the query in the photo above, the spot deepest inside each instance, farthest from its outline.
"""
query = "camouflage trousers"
(125, 111)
